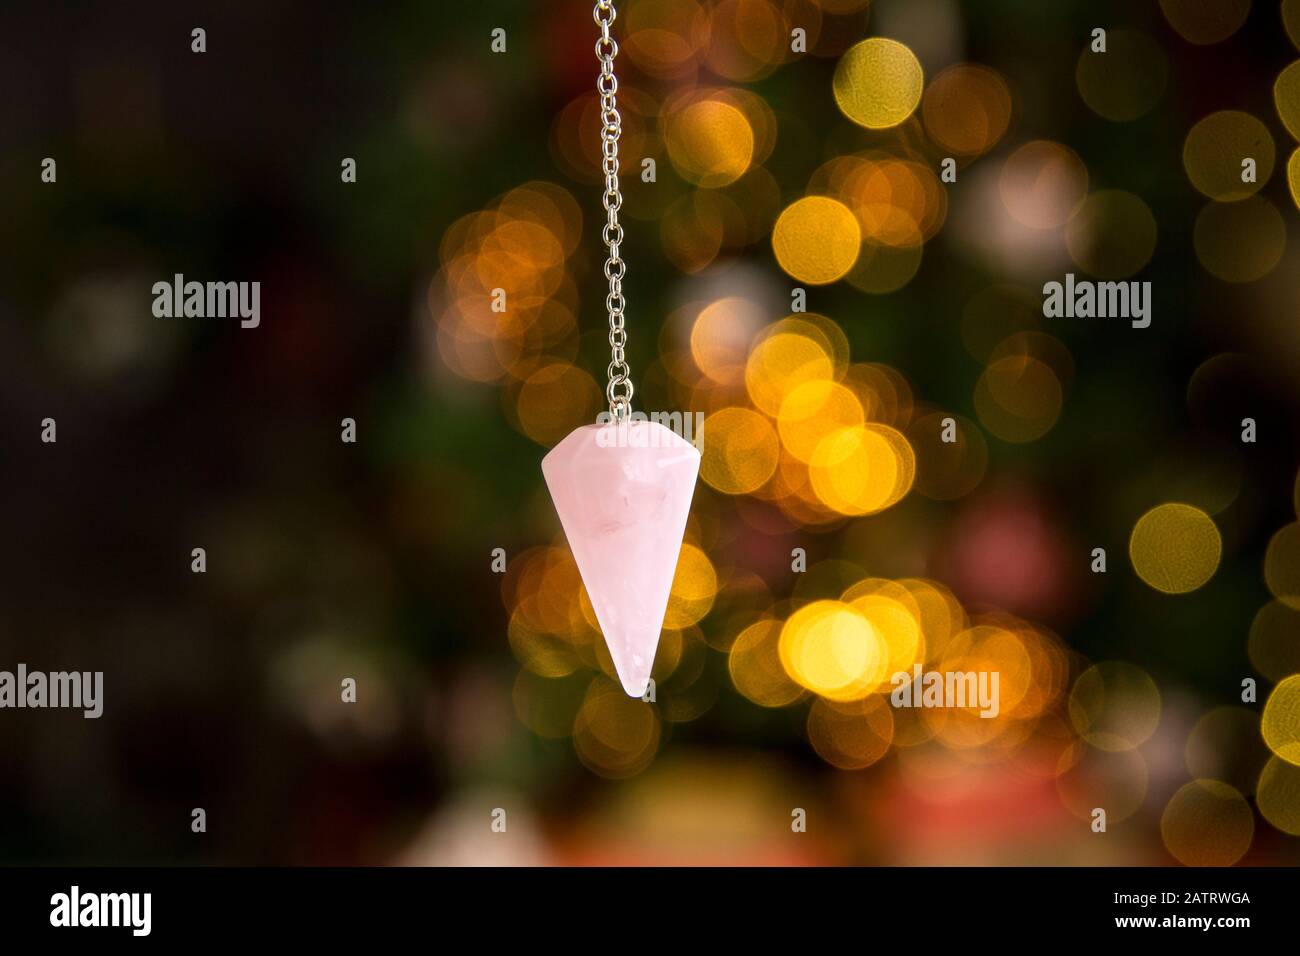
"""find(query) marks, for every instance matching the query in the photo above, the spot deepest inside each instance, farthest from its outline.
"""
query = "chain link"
(619, 389)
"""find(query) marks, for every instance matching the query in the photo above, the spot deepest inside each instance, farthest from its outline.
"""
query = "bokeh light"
(1280, 724)
(1205, 21)
(1207, 823)
(1242, 241)
(710, 142)
(1282, 565)
(1286, 96)
(741, 450)
(1278, 795)
(1217, 146)
(1018, 398)
(816, 240)
(1115, 705)
(878, 83)
(967, 109)
(851, 735)
(1175, 548)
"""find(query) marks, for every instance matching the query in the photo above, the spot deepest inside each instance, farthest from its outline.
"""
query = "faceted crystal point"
(623, 492)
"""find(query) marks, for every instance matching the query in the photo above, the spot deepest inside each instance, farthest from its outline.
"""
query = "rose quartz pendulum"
(622, 489)
(623, 492)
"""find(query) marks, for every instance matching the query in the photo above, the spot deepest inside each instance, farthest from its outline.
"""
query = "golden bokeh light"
(897, 202)
(614, 735)
(754, 663)
(741, 450)
(1042, 183)
(502, 301)
(816, 240)
(1207, 823)
(896, 623)
(1114, 705)
(851, 735)
(813, 410)
(1175, 548)
(663, 37)
(1282, 565)
(1205, 21)
(556, 399)
(1280, 724)
(1291, 20)
(878, 83)
(695, 585)
(1126, 81)
(1218, 145)
(1240, 242)
(782, 362)
(1018, 398)
(1293, 177)
(1112, 234)
(1278, 795)
(967, 109)
(1286, 96)
(859, 471)
(1273, 645)
(710, 142)
(832, 650)
(748, 39)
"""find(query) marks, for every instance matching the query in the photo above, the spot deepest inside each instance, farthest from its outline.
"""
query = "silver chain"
(619, 389)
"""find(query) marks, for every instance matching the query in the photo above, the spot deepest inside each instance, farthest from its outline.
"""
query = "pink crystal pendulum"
(622, 489)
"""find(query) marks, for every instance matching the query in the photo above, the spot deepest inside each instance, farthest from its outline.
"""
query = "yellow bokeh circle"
(710, 143)
(1175, 548)
(1216, 148)
(878, 83)
(1280, 724)
(862, 470)
(741, 450)
(831, 649)
(1286, 96)
(813, 410)
(816, 240)
(1282, 565)
(1278, 795)
(781, 363)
